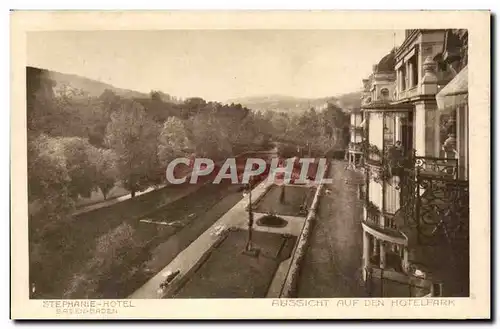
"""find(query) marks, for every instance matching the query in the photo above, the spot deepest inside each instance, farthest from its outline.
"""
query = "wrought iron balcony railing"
(433, 215)
(396, 158)
(437, 166)
(434, 202)
(420, 180)
(442, 210)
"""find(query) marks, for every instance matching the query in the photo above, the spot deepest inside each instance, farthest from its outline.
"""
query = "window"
(390, 129)
(384, 93)
(403, 77)
(414, 71)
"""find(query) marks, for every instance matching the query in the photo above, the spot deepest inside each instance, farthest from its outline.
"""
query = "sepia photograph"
(292, 165)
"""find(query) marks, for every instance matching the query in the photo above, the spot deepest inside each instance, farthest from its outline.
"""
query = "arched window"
(384, 93)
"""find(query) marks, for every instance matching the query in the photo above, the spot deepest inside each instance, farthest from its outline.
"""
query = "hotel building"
(413, 151)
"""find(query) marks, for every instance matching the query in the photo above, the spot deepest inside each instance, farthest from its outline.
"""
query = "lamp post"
(250, 216)
(249, 250)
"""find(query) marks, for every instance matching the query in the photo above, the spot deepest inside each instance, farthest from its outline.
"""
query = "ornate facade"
(415, 220)
(355, 148)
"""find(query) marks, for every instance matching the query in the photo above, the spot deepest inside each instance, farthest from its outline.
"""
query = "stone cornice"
(404, 46)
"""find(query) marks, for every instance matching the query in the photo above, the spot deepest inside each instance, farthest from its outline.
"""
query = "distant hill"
(279, 103)
(350, 100)
(290, 104)
(90, 86)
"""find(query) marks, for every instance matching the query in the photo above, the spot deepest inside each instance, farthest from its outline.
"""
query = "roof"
(455, 92)
(387, 63)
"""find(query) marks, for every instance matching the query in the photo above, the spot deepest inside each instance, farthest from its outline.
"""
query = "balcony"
(408, 93)
(437, 229)
(389, 221)
(358, 129)
(440, 167)
(426, 177)
(432, 219)
(381, 227)
(410, 182)
(393, 159)
(442, 210)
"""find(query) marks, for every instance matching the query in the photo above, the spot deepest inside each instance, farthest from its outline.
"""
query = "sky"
(217, 64)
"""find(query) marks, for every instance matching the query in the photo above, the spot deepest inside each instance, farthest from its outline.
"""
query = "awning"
(455, 92)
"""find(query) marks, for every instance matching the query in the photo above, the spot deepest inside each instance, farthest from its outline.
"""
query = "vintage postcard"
(250, 165)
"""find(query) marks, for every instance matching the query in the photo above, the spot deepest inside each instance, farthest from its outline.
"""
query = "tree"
(209, 136)
(134, 139)
(192, 106)
(104, 161)
(112, 251)
(40, 99)
(308, 129)
(336, 125)
(281, 124)
(110, 101)
(48, 183)
(78, 155)
(173, 140)
(313, 132)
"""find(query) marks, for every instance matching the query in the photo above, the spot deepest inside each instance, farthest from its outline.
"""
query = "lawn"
(294, 197)
(228, 273)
